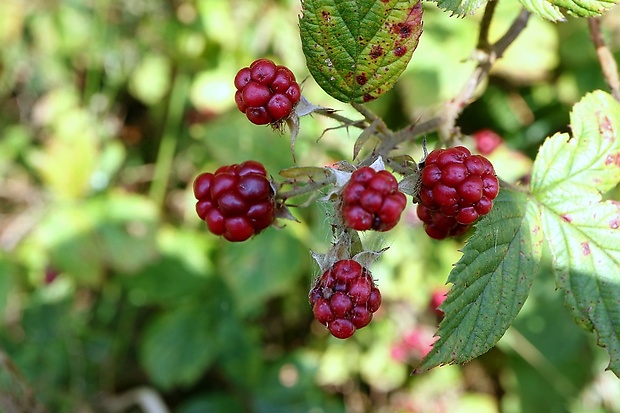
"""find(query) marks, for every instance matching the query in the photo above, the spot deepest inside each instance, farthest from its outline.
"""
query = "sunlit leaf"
(552, 9)
(83, 238)
(460, 7)
(569, 176)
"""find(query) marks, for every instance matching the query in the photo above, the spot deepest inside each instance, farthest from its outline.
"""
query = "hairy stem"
(306, 189)
(606, 59)
(332, 114)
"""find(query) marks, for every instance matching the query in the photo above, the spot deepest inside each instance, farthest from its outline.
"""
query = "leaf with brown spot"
(357, 50)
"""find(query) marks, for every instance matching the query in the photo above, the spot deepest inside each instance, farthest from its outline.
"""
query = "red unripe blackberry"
(236, 201)
(438, 296)
(266, 93)
(456, 189)
(371, 200)
(487, 140)
(344, 298)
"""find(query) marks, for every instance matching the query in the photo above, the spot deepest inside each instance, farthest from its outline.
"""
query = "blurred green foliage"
(109, 282)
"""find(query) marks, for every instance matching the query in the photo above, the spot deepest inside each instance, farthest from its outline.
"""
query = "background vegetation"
(112, 293)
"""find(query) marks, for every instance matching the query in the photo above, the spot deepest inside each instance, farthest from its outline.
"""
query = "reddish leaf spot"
(326, 15)
(361, 79)
(367, 97)
(614, 223)
(400, 51)
(567, 218)
(613, 158)
(376, 52)
(403, 29)
(585, 247)
(605, 128)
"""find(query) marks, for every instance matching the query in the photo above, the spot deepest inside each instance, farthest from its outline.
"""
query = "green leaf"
(7, 281)
(125, 229)
(587, 164)
(460, 7)
(84, 237)
(262, 268)
(550, 9)
(356, 50)
(180, 345)
(66, 233)
(568, 178)
(490, 282)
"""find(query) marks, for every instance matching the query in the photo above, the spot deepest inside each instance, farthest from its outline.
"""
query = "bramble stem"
(608, 64)
(306, 189)
(486, 58)
(330, 113)
(485, 24)
(511, 34)
(365, 112)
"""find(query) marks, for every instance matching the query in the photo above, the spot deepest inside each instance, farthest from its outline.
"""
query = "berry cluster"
(266, 93)
(344, 298)
(236, 201)
(457, 188)
(371, 200)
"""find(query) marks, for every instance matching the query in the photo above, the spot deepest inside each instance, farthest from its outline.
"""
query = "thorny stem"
(372, 118)
(332, 114)
(306, 189)
(446, 120)
(608, 64)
